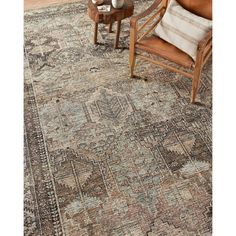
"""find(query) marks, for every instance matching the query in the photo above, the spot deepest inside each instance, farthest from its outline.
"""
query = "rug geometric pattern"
(106, 154)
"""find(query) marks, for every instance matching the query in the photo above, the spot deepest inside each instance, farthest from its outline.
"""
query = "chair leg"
(132, 65)
(132, 59)
(195, 83)
(132, 54)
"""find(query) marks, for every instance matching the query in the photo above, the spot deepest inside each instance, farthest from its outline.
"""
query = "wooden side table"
(110, 17)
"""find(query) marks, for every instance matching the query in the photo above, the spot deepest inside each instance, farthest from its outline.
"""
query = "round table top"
(114, 15)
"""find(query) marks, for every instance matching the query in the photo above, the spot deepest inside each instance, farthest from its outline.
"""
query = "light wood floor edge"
(36, 4)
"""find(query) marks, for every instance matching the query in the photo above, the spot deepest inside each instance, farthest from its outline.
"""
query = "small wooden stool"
(110, 17)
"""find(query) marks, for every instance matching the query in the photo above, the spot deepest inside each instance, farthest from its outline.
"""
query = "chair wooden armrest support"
(205, 41)
(134, 31)
(134, 19)
(203, 52)
(204, 48)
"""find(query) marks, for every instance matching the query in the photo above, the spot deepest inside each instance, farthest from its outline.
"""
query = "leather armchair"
(142, 40)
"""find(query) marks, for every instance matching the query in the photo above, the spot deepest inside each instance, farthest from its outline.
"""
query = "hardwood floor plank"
(34, 4)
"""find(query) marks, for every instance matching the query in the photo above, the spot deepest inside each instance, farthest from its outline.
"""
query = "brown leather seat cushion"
(201, 8)
(158, 46)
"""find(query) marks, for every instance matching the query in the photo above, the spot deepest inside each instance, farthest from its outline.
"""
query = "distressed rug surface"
(106, 154)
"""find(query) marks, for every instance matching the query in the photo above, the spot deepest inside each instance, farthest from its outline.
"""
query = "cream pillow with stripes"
(182, 28)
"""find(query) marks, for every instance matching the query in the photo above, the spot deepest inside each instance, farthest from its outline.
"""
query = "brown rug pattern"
(106, 154)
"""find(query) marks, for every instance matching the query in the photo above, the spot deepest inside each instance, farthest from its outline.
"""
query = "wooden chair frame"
(204, 49)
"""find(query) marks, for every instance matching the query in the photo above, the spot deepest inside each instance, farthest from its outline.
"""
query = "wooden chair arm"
(204, 49)
(205, 41)
(134, 19)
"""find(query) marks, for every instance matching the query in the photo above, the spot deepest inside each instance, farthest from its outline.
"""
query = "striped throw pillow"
(182, 28)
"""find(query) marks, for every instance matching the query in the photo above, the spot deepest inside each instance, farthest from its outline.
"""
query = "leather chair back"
(201, 8)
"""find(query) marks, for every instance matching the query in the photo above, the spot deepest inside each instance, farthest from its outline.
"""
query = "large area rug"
(106, 154)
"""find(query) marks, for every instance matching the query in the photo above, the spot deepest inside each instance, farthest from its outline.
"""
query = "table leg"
(117, 34)
(95, 33)
(110, 28)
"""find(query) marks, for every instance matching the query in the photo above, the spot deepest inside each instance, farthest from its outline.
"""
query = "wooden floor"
(33, 4)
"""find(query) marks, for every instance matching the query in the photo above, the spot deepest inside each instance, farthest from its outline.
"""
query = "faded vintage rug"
(106, 154)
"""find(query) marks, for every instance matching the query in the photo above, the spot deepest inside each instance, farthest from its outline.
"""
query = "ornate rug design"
(106, 154)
